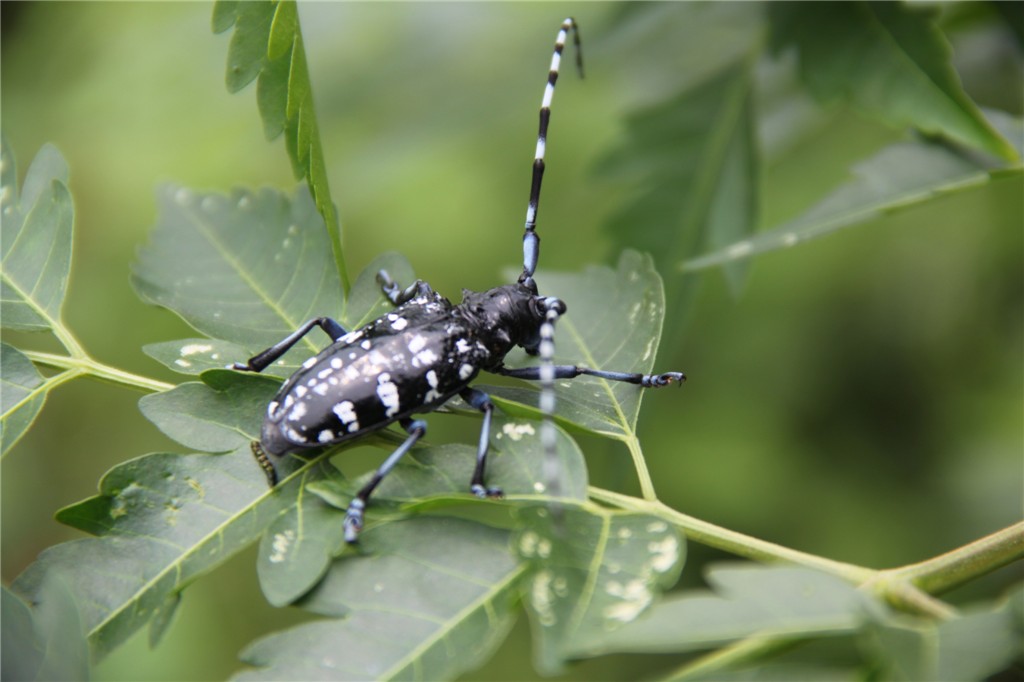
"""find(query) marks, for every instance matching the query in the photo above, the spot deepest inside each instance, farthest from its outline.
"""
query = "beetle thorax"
(505, 316)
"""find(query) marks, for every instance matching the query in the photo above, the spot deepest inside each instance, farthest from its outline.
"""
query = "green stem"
(642, 473)
(963, 564)
(730, 541)
(78, 363)
(737, 653)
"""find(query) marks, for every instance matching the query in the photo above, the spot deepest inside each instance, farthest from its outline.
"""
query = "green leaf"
(44, 642)
(35, 243)
(592, 571)
(515, 464)
(22, 393)
(210, 420)
(747, 600)
(295, 551)
(613, 322)
(901, 176)
(691, 166)
(972, 646)
(267, 46)
(430, 599)
(249, 269)
(195, 356)
(891, 61)
(163, 520)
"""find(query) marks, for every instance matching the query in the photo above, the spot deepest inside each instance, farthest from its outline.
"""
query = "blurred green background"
(863, 399)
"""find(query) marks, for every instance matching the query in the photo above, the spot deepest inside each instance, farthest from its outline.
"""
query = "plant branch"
(963, 564)
(730, 541)
(83, 364)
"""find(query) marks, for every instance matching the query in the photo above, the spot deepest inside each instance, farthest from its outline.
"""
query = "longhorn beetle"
(426, 351)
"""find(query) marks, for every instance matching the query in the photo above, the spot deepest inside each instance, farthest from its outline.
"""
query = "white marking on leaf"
(517, 431)
(282, 542)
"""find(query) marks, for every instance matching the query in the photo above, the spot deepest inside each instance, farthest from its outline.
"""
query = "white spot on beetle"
(400, 324)
(325, 436)
(365, 345)
(336, 363)
(272, 407)
(309, 363)
(387, 391)
(300, 391)
(288, 401)
(462, 346)
(466, 371)
(433, 393)
(426, 357)
(324, 373)
(321, 388)
(417, 344)
(297, 413)
(345, 411)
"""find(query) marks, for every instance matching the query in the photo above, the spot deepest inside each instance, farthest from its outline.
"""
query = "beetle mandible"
(426, 351)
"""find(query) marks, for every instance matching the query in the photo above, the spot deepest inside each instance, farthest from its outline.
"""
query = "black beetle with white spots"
(426, 351)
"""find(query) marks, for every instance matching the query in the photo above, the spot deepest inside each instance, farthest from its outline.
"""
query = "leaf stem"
(731, 541)
(642, 473)
(79, 363)
(737, 653)
(963, 564)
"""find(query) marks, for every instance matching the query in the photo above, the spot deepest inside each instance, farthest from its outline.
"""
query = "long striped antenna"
(553, 308)
(531, 242)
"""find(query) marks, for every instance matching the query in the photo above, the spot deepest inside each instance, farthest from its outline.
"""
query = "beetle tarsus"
(264, 462)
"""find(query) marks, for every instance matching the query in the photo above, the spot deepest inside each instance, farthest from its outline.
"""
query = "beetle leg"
(261, 361)
(354, 516)
(482, 402)
(572, 371)
(398, 295)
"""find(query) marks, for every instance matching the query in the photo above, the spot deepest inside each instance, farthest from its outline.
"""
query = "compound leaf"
(195, 356)
(746, 600)
(296, 549)
(163, 520)
(592, 571)
(891, 61)
(267, 47)
(35, 243)
(430, 599)
(613, 322)
(22, 393)
(899, 177)
(248, 269)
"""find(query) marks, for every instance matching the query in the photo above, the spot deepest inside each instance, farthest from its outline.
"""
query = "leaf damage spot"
(195, 348)
(634, 597)
(282, 542)
(197, 486)
(542, 596)
(666, 553)
(517, 431)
